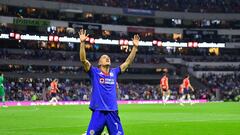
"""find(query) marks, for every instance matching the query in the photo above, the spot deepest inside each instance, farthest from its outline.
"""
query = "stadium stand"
(29, 65)
(225, 6)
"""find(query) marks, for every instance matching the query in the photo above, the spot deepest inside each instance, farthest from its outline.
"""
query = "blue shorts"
(53, 94)
(186, 91)
(100, 119)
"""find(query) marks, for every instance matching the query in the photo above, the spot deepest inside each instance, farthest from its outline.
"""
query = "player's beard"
(107, 65)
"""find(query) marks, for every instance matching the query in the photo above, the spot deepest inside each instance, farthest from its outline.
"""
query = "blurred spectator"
(229, 85)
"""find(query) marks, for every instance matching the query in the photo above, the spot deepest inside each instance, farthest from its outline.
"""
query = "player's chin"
(108, 64)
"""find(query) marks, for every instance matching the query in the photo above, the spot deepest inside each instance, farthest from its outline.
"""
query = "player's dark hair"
(164, 73)
(186, 76)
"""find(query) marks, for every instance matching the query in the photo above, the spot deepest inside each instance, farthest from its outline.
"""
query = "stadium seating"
(34, 62)
(168, 5)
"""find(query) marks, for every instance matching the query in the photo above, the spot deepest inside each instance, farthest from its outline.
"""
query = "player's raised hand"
(136, 39)
(83, 35)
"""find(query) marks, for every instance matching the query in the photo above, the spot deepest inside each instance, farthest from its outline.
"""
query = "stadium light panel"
(50, 38)
(92, 40)
(113, 42)
(56, 39)
(17, 36)
(159, 43)
(12, 34)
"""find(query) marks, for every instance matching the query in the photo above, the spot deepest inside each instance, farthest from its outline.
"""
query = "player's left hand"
(136, 39)
(83, 35)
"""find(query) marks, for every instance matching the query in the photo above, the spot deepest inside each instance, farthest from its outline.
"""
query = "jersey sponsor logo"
(106, 81)
(109, 81)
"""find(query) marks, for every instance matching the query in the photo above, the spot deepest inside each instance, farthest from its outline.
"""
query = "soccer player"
(181, 88)
(103, 102)
(186, 92)
(2, 92)
(54, 90)
(180, 93)
(164, 88)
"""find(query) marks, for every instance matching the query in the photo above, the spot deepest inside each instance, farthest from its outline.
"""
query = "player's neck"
(105, 69)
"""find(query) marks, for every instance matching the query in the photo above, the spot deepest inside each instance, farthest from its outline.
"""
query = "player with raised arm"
(186, 92)
(164, 88)
(103, 102)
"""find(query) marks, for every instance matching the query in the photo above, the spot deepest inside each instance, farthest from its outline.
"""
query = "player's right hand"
(136, 40)
(83, 35)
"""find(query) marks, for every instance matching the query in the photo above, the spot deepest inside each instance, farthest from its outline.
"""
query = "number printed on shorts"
(116, 125)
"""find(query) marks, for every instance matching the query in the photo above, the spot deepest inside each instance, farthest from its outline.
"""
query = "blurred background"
(39, 42)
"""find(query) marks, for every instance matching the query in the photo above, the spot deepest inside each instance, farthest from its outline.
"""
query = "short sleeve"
(91, 71)
(117, 70)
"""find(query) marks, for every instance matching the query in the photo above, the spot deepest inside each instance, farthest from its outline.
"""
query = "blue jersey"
(104, 95)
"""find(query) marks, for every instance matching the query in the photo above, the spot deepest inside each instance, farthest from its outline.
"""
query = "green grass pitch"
(157, 119)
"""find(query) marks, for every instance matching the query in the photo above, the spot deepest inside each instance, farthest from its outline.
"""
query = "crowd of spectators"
(225, 58)
(73, 70)
(72, 90)
(216, 68)
(23, 89)
(209, 6)
(20, 89)
(228, 85)
(50, 55)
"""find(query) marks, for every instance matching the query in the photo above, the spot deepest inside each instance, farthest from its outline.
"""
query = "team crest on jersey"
(111, 74)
